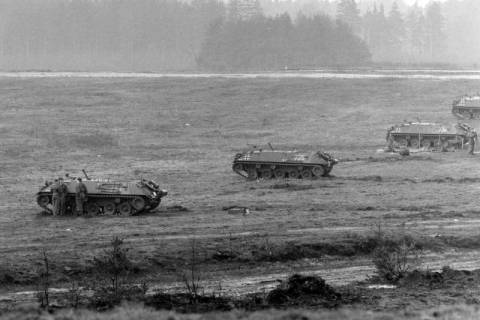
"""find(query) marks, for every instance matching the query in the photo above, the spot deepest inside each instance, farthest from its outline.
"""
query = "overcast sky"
(420, 2)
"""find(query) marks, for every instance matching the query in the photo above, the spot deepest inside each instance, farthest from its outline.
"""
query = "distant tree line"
(278, 43)
(167, 35)
(177, 35)
(440, 32)
(138, 35)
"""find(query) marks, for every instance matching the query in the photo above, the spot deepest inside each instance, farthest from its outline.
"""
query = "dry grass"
(184, 132)
(460, 312)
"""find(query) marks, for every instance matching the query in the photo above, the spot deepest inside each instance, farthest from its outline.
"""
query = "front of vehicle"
(154, 193)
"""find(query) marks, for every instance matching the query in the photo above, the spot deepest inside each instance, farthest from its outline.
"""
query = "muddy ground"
(183, 133)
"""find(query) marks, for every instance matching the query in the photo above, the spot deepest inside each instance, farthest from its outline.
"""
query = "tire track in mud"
(238, 286)
(439, 224)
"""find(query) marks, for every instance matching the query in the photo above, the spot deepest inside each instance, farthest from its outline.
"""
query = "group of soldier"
(59, 196)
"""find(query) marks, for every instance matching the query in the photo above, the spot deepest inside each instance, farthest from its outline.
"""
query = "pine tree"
(347, 12)
(244, 9)
(434, 23)
(415, 32)
(396, 30)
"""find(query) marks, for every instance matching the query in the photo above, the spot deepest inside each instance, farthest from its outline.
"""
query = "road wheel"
(138, 203)
(307, 174)
(414, 143)
(125, 209)
(318, 171)
(266, 174)
(109, 207)
(43, 201)
(91, 209)
(402, 142)
(252, 174)
(293, 174)
(279, 173)
(237, 167)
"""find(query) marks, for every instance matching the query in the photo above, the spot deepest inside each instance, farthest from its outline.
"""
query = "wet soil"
(183, 133)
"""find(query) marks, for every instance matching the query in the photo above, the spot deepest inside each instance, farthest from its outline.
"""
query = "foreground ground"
(183, 133)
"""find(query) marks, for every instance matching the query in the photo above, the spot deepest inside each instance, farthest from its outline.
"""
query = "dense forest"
(276, 43)
(439, 32)
(175, 35)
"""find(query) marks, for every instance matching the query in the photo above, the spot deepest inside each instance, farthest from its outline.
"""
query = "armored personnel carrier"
(467, 107)
(108, 197)
(431, 136)
(267, 164)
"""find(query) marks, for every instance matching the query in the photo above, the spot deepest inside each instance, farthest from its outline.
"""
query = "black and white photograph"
(239, 159)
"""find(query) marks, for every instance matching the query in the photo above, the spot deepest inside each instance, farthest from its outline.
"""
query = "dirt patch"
(366, 178)
(366, 208)
(186, 303)
(452, 180)
(304, 290)
(446, 278)
(389, 159)
(291, 186)
(419, 208)
(177, 208)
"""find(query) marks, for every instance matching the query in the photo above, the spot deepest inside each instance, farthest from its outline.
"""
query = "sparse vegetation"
(316, 229)
(394, 258)
(192, 277)
(43, 292)
(112, 277)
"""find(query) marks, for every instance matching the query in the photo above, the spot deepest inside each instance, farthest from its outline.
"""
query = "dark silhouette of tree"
(415, 32)
(396, 32)
(171, 35)
(348, 13)
(277, 44)
(376, 32)
(434, 23)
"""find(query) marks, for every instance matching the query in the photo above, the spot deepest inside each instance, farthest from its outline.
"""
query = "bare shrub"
(112, 273)
(43, 293)
(114, 265)
(73, 294)
(394, 257)
(192, 277)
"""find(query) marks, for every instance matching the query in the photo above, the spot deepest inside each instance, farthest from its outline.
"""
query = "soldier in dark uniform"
(80, 196)
(389, 138)
(62, 196)
(55, 197)
(472, 138)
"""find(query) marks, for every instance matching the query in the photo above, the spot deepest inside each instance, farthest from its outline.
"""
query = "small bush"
(44, 274)
(394, 259)
(112, 273)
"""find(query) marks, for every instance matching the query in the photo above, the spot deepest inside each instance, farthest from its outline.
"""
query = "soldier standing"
(80, 196)
(472, 137)
(62, 196)
(389, 138)
(55, 197)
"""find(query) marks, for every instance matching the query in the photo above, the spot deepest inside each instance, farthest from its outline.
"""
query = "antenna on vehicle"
(85, 173)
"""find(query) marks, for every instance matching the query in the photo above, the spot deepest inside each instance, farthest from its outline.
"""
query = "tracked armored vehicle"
(108, 197)
(268, 164)
(467, 107)
(430, 136)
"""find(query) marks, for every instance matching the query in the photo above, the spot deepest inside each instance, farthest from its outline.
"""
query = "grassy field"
(183, 133)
